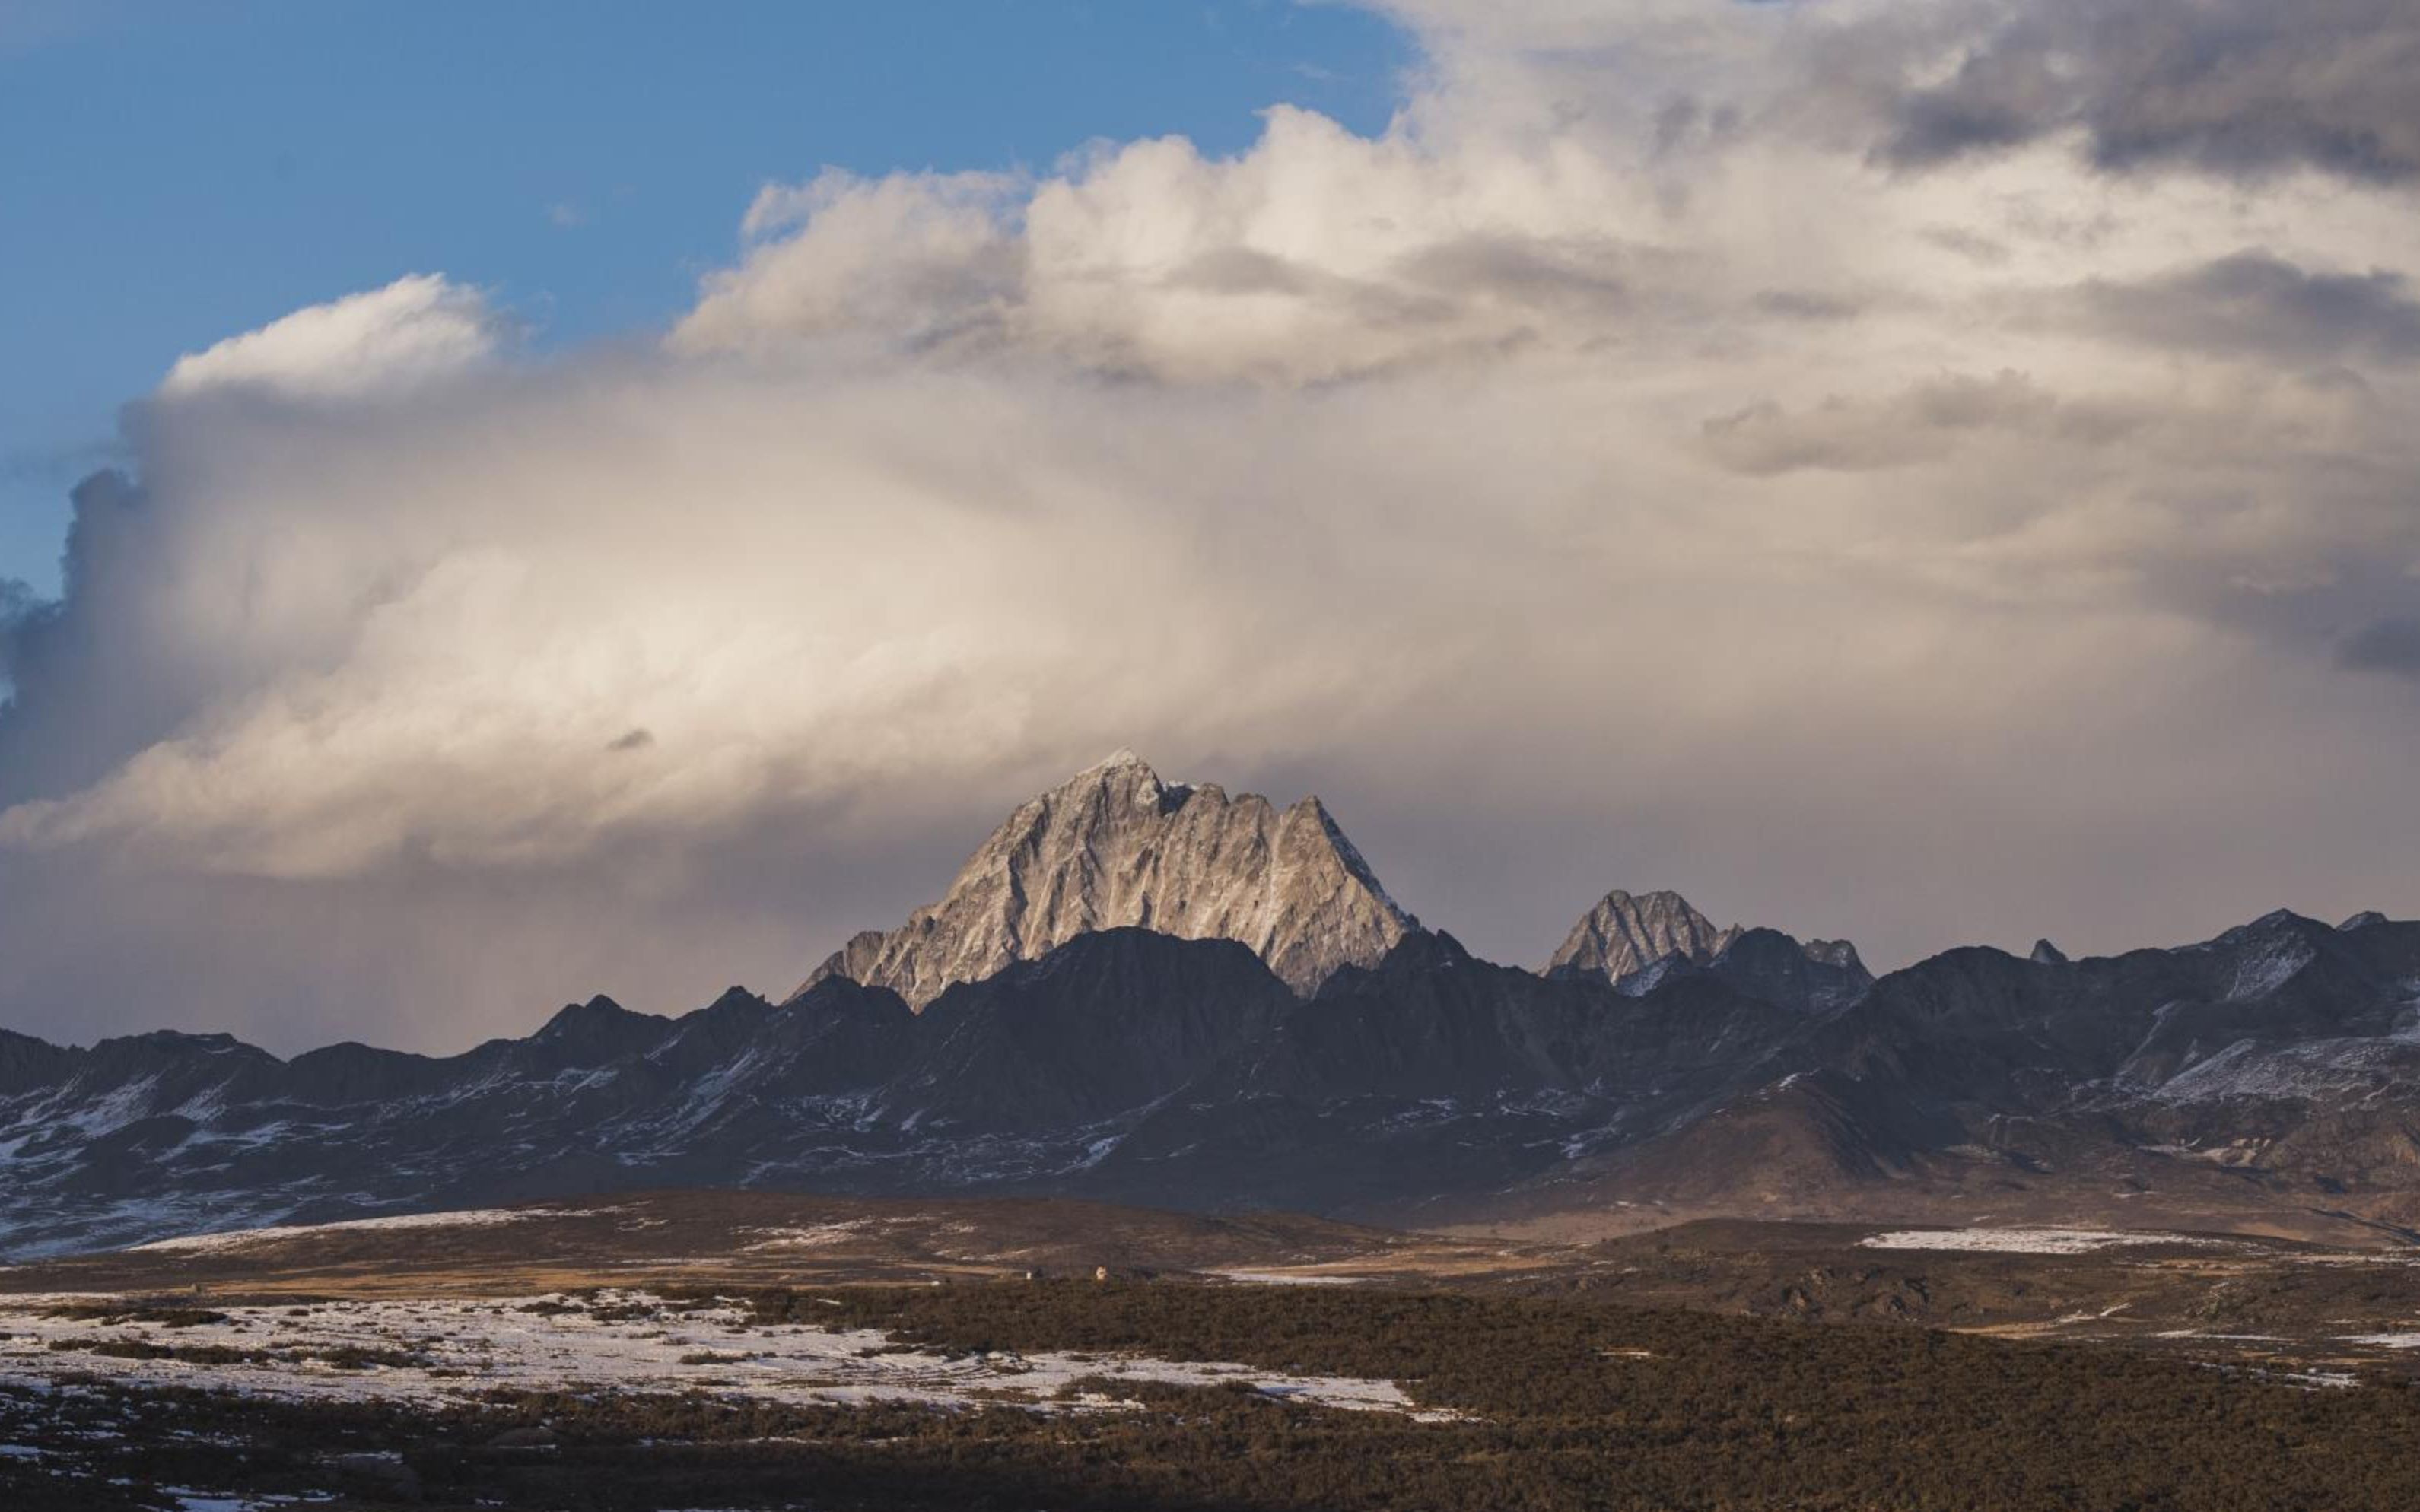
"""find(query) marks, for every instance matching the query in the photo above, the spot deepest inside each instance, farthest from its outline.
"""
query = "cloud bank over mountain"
(1914, 471)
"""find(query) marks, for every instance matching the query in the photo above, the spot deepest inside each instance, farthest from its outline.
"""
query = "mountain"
(2273, 1070)
(1637, 941)
(1117, 847)
(1110, 1024)
(1156, 993)
(1124, 1064)
(1811, 974)
(1435, 1074)
(2267, 1078)
(1624, 934)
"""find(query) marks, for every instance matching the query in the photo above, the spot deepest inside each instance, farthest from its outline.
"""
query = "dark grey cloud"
(2241, 88)
(2255, 304)
(19, 603)
(70, 720)
(2391, 645)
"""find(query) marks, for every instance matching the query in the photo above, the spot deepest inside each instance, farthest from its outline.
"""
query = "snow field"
(235, 1239)
(463, 1348)
(2014, 1241)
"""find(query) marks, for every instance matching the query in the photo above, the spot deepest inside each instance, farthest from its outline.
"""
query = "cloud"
(2386, 646)
(1921, 423)
(19, 603)
(1608, 474)
(920, 258)
(2239, 88)
(415, 329)
(2253, 304)
(1318, 254)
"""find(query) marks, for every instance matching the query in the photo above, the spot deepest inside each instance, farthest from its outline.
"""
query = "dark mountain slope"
(1107, 1024)
(2272, 1071)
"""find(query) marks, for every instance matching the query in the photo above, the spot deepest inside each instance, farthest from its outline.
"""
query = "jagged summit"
(1640, 939)
(1627, 933)
(1114, 846)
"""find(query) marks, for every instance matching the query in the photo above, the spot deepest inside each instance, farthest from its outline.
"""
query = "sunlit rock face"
(1116, 847)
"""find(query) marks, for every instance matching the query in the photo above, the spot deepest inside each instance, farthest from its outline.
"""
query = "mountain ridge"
(1144, 991)
(2269, 1074)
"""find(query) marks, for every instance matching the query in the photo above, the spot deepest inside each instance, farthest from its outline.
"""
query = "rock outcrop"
(1116, 847)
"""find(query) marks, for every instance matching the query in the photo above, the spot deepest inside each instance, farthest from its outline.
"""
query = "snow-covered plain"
(460, 1348)
(2016, 1241)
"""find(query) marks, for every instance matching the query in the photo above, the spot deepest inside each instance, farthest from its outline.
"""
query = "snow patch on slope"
(463, 1347)
(246, 1237)
(2015, 1241)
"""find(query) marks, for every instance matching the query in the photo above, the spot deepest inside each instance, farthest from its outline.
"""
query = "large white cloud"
(1625, 469)
(415, 329)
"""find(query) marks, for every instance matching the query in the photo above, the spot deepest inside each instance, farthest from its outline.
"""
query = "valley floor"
(715, 1349)
(1144, 1395)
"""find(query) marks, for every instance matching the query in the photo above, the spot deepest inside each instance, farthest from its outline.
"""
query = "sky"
(498, 509)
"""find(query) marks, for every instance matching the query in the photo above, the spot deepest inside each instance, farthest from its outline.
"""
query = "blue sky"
(174, 174)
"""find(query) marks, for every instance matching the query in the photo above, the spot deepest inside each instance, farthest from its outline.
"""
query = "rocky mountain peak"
(1627, 933)
(1119, 778)
(1115, 846)
(1643, 939)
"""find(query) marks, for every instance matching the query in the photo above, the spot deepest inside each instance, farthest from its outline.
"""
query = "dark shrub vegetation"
(1563, 1402)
